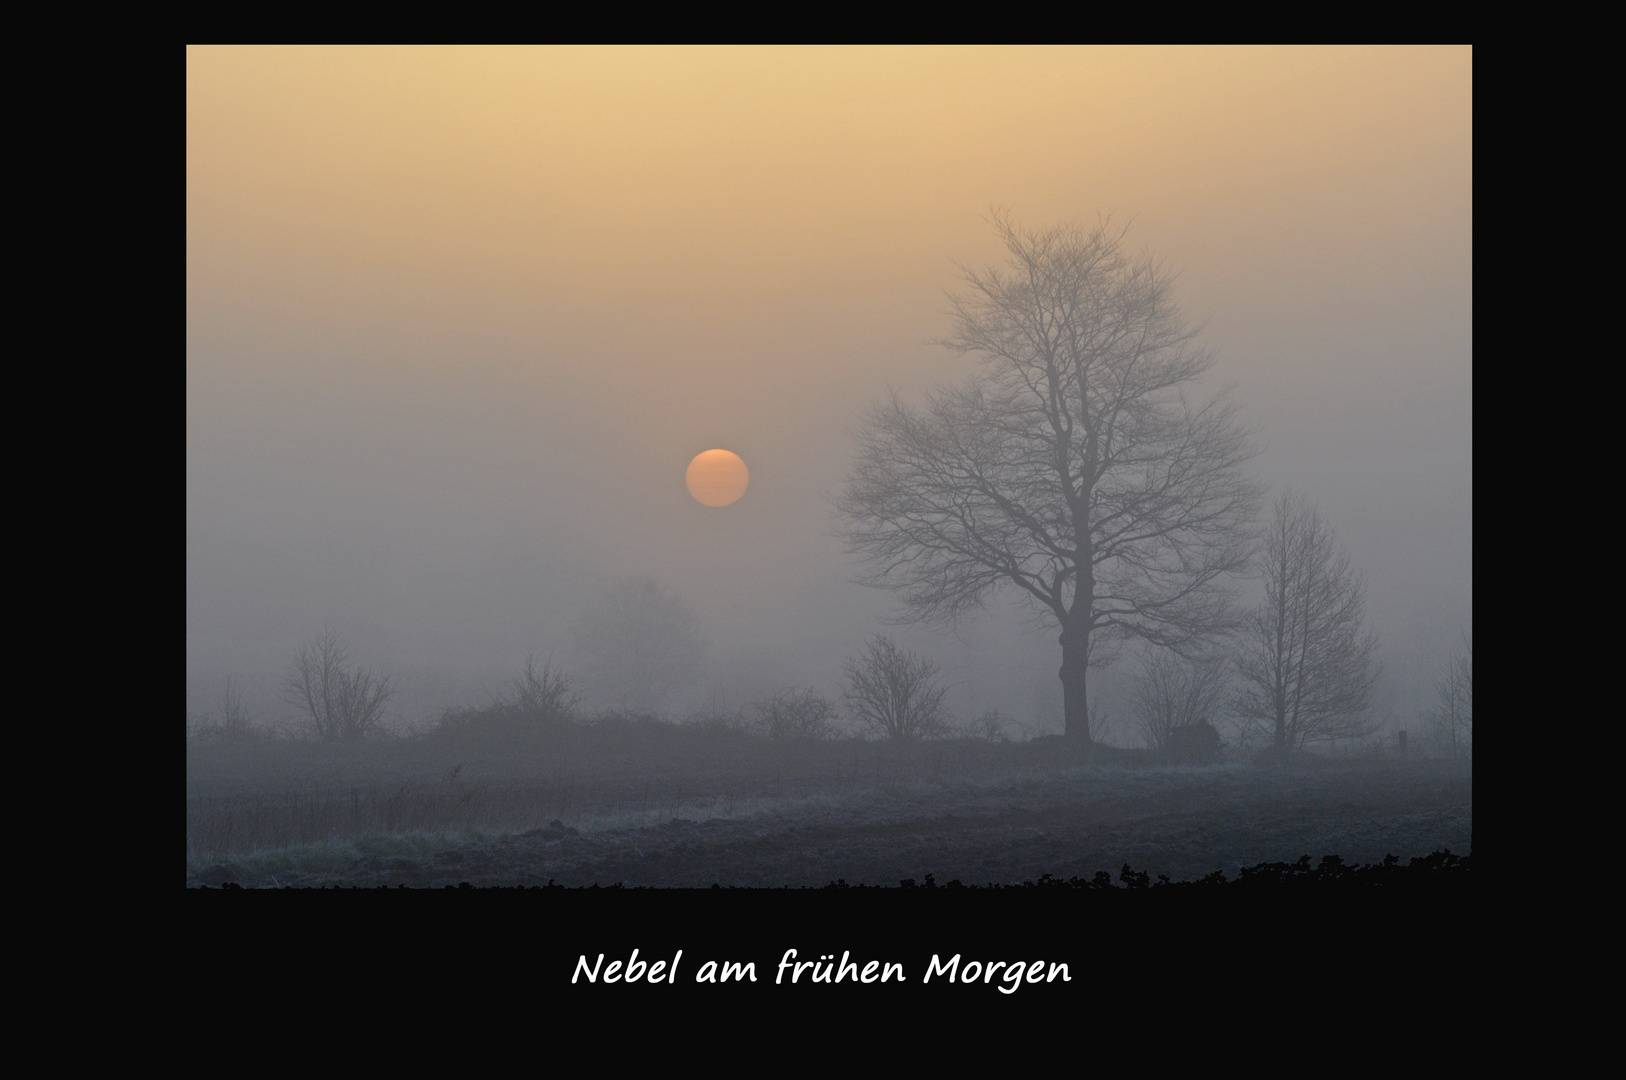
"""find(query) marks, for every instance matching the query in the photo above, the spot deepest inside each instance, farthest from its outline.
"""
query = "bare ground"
(691, 815)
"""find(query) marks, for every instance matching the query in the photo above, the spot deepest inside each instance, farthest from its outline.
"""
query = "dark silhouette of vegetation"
(337, 700)
(1453, 716)
(540, 700)
(796, 714)
(1307, 662)
(894, 693)
(1193, 744)
(1173, 693)
(1441, 870)
(543, 697)
(231, 720)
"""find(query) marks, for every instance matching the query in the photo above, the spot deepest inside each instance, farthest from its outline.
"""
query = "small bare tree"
(231, 720)
(539, 700)
(894, 693)
(1173, 692)
(544, 696)
(338, 701)
(1454, 701)
(235, 720)
(796, 714)
(1307, 664)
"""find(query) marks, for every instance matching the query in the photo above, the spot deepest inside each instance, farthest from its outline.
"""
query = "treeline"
(889, 693)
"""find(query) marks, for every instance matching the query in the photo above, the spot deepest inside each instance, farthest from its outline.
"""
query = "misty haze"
(677, 466)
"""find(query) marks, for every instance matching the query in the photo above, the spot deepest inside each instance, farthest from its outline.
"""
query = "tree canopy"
(1075, 466)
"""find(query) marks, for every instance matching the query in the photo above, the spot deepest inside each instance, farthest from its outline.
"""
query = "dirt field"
(672, 809)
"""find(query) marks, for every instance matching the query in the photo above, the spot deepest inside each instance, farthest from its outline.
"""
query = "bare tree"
(541, 699)
(1454, 701)
(542, 696)
(1306, 663)
(796, 714)
(894, 693)
(232, 720)
(640, 645)
(1172, 692)
(1072, 467)
(338, 701)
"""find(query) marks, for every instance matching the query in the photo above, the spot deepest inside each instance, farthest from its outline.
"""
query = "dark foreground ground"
(682, 816)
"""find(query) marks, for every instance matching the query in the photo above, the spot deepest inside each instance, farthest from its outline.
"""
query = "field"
(664, 805)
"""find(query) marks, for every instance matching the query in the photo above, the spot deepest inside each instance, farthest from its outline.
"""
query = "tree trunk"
(1075, 664)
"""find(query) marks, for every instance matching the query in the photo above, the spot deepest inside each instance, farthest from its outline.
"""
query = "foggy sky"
(458, 318)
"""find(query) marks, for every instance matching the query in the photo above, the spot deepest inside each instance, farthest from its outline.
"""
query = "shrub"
(336, 700)
(894, 694)
(543, 697)
(720, 721)
(795, 714)
(1171, 691)
(1193, 744)
(230, 722)
(539, 700)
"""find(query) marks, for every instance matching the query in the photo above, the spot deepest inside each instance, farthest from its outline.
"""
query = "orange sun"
(717, 478)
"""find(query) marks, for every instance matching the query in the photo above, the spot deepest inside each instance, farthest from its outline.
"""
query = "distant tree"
(796, 714)
(640, 645)
(230, 720)
(894, 693)
(543, 695)
(1454, 701)
(541, 699)
(1307, 664)
(1075, 467)
(337, 700)
(1171, 692)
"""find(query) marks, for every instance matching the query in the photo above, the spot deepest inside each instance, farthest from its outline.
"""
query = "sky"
(459, 318)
